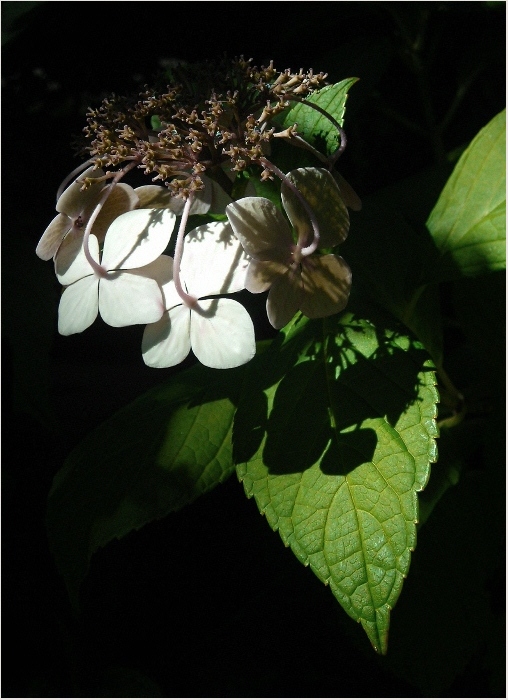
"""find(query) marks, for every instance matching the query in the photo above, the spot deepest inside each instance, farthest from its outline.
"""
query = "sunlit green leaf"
(151, 458)
(334, 445)
(468, 223)
(314, 126)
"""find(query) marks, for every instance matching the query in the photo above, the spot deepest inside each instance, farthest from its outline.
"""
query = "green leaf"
(151, 458)
(313, 126)
(468, 222)
(334, 445)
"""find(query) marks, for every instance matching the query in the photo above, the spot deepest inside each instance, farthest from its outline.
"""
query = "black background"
(207, 602)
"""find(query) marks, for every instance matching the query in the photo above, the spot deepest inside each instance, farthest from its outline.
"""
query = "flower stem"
(315, 227)
(187, 299)
(97, 268)
(343, 141)
(71, 176)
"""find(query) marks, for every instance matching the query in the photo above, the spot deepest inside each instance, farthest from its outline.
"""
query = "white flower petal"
(202, 199)
(79, 306)
(128, 298)
(165, 279)
(153, 197)
(158, 197)
(166, 343)
(70, 261)
(136, 238)
(161, 270)
(122, 199)
(322, 194)
(222, 334)
(213, 261)
(73, 201)
(261, 228)
(220, 199)
(53, 236)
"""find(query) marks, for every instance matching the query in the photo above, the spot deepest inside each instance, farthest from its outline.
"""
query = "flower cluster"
(109, 241)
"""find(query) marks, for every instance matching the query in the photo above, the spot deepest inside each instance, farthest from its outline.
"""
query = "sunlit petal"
(327, 283)
(222, 334)
(127, 298)
(70, 261)
(53, 236)
(161, 270)
(137, 237)
(214, 261)
(79, 306)
(166, 343)
(261, 228)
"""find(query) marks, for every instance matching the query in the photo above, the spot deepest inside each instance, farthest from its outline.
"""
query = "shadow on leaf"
(341, 375)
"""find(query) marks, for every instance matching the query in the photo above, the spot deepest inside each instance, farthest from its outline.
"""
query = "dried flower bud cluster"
(176, 138)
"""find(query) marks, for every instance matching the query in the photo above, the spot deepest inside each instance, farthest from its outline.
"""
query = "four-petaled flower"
(219, 331)
(120, 285)
(317, 285)
(75, 207)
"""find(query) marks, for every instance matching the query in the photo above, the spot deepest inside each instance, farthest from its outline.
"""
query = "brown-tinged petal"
(284, 298)
(53, 236)
(73, 201)
(323, 196)
(261, 229)
(122, 199)
(327, 283)
(261, 274)
(351, 199)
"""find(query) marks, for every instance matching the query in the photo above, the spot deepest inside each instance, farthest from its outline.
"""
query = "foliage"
(310, 426)
(331, 427)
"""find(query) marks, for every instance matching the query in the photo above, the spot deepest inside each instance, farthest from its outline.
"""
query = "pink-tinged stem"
(71, 176)
(315, 226)
(187, 299)
(97, 268)
(343, 141)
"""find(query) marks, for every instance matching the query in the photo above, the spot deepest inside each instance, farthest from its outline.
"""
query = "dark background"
(207, 602)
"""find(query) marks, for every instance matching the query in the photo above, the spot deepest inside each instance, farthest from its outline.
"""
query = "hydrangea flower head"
(120, 285)
(317, 285)
(219, 331)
